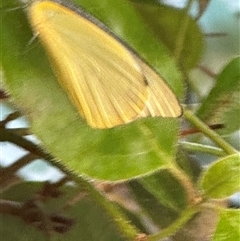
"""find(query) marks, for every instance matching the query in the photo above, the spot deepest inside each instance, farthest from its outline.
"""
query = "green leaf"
(222, 103)
(12, 228)
(90, 222)
(231, 115)
(167, 189)
(222, 178)
(26, 191)
(166, 23)
(118, 153)
(228, 226)
(161, 215)
(188, 164)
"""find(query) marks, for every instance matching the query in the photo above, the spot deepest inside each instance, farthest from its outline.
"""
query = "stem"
(192, 194)
(21, 131)
(207, 71)
(208, 132)
(170, 230)
(9, 207)
(3, 94)
(180, 39)
(9, 171)
(117, 217)
(125, 228)
(10, 117)
(122, 223)
(202, 148)
(9, 135)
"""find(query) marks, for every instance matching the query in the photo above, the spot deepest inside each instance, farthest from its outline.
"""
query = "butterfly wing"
(162, 101)
(100, 74)
(108, 83)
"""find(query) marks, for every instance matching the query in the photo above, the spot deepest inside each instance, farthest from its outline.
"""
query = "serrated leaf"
(228, 226)
(166, 23)
(118, 153)
(222, 178)
(222, 103)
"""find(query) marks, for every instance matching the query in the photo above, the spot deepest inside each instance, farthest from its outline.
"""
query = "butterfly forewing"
(107, 82)
(162, 101)
(100, 74)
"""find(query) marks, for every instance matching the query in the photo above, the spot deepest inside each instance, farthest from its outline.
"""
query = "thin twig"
(208, 132)
(196, 147)
(12, 169)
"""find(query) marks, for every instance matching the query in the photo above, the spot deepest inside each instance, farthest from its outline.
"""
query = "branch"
(208, 132)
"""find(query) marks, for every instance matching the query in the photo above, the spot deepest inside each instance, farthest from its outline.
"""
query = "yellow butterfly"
(108, 83)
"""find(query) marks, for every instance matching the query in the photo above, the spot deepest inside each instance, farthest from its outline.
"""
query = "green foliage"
(222, 103)
(165, 22)
(90, 221)
(222, 178)
(166, 187)
(228, 226)
(56, 122)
